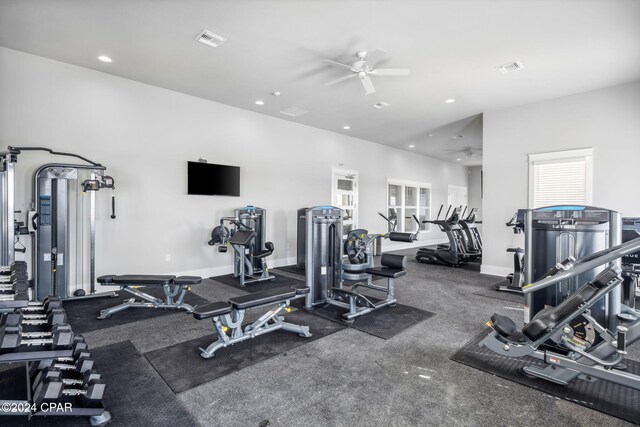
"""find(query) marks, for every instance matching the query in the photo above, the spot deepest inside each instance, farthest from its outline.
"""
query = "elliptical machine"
(247, 238)
(455, 252)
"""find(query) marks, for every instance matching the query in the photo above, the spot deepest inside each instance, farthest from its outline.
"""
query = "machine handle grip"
(622, 340)
(439, 212)
(113, 206)
(34, 223)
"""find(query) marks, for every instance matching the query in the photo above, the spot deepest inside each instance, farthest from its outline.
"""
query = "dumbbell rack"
(13, 286)
(39, 356)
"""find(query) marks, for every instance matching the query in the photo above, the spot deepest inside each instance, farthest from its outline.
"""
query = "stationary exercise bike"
(515, 280)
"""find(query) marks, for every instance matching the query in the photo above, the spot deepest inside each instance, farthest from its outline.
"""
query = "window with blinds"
(561, 178)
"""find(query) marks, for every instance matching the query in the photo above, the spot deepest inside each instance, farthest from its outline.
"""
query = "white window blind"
(560, 179)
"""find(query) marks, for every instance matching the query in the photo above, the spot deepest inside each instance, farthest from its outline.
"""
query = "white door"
(457, 196)
(344, 195)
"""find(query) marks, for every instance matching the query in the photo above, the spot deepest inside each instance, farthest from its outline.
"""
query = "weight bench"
(173, 286)
(227, 317)
(392, 267)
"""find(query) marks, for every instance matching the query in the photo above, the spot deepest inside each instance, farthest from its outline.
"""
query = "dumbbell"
(14, 285)
(17, 266)
(81, 362)
(51, 390)
(56, 316)
(49, 303)
(13, 337)
(53, 373)
(78, 348)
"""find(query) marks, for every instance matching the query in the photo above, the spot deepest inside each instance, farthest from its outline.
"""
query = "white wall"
(608, 120)
(475, 189)
(145, 135)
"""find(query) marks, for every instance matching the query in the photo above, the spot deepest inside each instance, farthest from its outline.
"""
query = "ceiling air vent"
(210, 39)
(294, 111)
(511, 66)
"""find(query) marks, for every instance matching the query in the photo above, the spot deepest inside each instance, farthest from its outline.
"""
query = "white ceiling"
(452, 47)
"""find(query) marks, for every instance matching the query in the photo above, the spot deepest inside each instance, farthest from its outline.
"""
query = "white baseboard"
(495, 270)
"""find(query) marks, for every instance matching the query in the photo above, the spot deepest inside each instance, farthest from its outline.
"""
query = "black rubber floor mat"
(279, 281)
(82, 314)
(182, 367)
(291, 269)
(491, 292)
(385, 322)
(295, 270)
(135, 394)
(617, 401)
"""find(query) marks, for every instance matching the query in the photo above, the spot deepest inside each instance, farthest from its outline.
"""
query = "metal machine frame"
(581, 361)
(44, 177)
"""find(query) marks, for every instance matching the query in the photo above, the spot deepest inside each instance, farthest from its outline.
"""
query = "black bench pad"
(187, 280)
(136, 280)
(213, 309)
(260, 298)
(386, 272)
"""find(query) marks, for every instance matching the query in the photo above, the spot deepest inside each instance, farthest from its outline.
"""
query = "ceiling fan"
(469, 153)
(363, 68)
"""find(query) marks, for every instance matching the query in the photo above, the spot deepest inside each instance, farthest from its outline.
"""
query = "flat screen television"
(207, 179)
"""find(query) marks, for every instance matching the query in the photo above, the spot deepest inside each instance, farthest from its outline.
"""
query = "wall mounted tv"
(207, 179)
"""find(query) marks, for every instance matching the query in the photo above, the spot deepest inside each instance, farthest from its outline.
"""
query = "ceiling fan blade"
(368, 85)
(391, 72)
(374, 57)
(341, 79)
(337, 64)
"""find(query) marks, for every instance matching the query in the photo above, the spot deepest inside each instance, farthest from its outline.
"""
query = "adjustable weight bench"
(173, 287)
(227, 317)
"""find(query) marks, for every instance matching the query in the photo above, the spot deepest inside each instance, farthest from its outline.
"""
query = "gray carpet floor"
(351, 378)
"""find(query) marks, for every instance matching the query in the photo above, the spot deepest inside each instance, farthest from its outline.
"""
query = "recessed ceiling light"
(258, 102)
(276, 93)
(380, 105)
(346, 127)
(458, 159)
(104, 58)
(430, 134)
(457, 136)
(449, 101)
(210, 39)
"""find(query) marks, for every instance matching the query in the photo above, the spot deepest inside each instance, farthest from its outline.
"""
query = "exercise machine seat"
(261, 298)
(137, 280)
(213, 309)
(550, 316)
(266, 252)
(187, 280)
(241, 237)
(516, 250)
(392, 266)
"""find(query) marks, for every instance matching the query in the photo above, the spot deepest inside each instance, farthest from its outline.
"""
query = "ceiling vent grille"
(210, 39)
(511, 66)
(294, 111)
